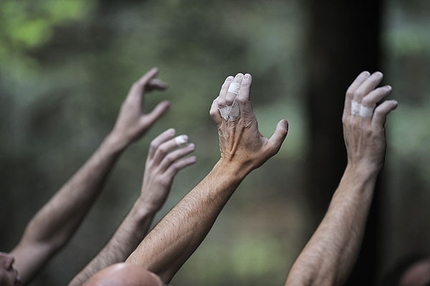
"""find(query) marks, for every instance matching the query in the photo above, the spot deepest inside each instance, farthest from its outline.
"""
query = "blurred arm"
(52, 227)
(330, 254)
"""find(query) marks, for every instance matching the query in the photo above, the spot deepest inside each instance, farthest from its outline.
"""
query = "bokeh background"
(67, 65)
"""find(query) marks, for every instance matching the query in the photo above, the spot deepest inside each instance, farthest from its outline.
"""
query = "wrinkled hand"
(364, 119)
(240, 140)
(165, 160)
(133, 121)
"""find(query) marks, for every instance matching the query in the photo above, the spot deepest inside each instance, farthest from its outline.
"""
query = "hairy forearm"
(329, 256)
(180, 232)
(127, 237)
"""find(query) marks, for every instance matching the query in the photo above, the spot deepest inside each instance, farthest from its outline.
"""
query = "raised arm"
(52, 227)
(329, 256)
(165, 159)
(243, 148)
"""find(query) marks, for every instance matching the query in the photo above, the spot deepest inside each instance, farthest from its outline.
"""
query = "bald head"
(417, 274)
(124, 274)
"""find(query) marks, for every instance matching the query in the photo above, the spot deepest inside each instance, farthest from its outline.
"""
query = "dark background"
(66, 66)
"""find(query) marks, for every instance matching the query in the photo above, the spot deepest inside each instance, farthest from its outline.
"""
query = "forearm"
(56, 222)
(330, 254)
(180, 232)
(127, 237)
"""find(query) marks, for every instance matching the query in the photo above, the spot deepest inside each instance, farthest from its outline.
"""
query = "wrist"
(229, 168)
(116, 142)
(360, 177)
(363, 170)
(142, 210)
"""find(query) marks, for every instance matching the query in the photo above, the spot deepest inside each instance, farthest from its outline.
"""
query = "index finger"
(139, 86)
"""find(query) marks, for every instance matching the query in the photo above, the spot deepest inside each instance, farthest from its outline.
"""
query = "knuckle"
(367, 101)
(213, 112)
(168, 159)
(358, 94)
(162, 149)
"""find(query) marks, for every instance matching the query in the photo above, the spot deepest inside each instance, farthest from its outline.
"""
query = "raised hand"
(364, 118)
(133, 121)
(239, 138)
(165, 159)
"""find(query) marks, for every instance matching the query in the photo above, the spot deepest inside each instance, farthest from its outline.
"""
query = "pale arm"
(330, 254)
(52, 227)
(243, 148)
(165, 159)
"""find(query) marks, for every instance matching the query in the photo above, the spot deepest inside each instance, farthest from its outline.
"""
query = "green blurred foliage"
(27, 25)
(66, 66)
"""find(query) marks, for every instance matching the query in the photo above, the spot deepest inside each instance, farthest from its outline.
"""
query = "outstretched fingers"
(175, 161)
(171, 149)
(157, 141)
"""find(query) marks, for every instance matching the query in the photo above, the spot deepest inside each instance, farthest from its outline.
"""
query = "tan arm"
(243, 149)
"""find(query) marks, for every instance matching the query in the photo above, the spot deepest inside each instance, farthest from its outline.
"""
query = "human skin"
(165, 159)
(330, 254)
(124, 274)
(56, 222)
(242, 149)
(8, 274)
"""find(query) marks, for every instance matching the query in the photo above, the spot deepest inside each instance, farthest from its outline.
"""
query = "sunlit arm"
(243, 148)
(180, 232)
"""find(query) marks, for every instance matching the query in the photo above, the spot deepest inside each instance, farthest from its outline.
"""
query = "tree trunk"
(343, 40)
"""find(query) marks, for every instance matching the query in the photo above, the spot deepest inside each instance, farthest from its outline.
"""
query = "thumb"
(278, 137)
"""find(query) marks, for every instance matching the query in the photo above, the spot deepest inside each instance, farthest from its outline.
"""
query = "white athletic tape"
(366, 111)
(230, 112)
(234, 88)
(355, 107)
(182, 139)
